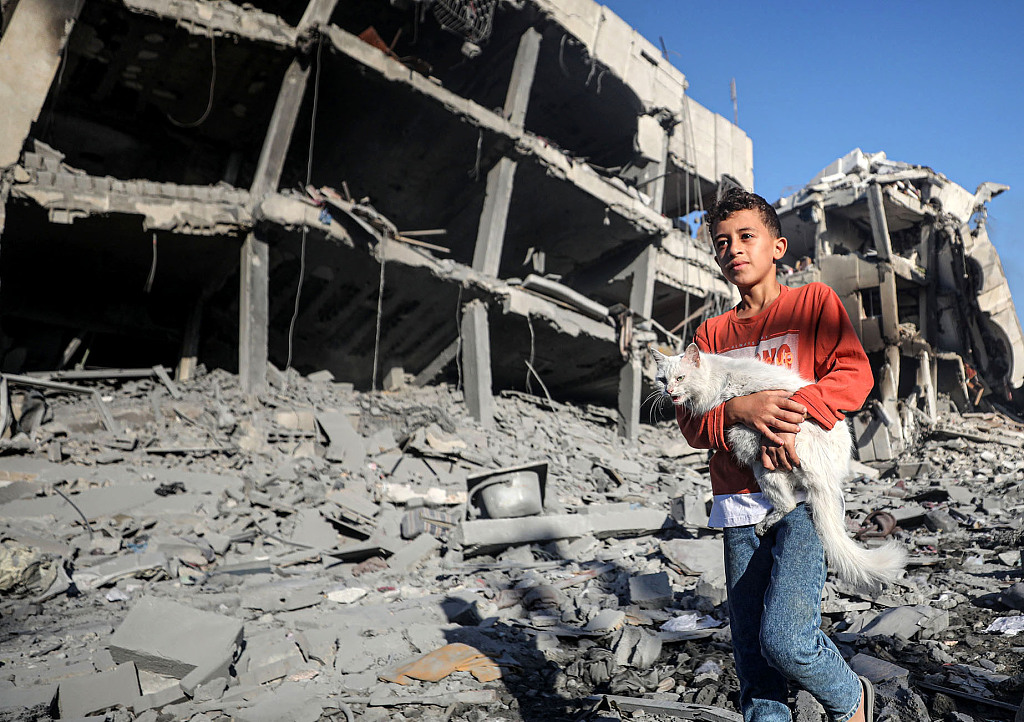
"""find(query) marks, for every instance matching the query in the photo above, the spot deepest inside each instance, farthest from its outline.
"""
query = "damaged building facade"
(488, 193)
(908, 252)
(482, 192)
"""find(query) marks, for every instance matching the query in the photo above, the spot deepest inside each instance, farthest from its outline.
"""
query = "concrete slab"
(414, 552)
(88, 695)
(877, 670)
(695, 556)
(650, 591)
(482, 535)
(173, 639)
(345, 444)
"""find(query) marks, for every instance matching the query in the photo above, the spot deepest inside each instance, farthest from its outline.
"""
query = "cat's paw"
(764, 526)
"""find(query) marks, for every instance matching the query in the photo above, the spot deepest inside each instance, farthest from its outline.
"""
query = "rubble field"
(181, 551)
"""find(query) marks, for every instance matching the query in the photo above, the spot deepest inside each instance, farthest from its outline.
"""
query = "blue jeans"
(775, 584)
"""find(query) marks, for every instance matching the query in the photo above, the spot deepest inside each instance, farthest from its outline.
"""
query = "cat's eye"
(679, 378)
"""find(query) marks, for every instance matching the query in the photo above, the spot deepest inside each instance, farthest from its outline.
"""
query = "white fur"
(701, 381)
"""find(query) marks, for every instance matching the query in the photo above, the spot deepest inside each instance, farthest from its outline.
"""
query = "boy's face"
(746, 250)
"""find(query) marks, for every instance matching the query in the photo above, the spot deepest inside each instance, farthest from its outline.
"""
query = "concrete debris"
(269, 576)
(151, 637)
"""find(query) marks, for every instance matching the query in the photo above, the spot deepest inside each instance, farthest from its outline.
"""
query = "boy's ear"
(781, 246)
(692, 354)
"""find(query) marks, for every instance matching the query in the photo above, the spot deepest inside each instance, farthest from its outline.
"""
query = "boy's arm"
(703, 432)
(840, 365)
(707, 431)
(766, 411)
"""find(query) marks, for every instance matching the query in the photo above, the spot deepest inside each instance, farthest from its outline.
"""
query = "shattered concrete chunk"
(96, 693)
(151, 637)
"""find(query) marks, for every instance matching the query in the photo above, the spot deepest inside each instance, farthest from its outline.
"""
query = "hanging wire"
(152, 269)
(305, 227)
(458, 344)
(529, 364)
(209, 103)
(380, 308)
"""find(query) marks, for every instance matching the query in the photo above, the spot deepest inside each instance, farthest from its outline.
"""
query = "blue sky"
(939, 84)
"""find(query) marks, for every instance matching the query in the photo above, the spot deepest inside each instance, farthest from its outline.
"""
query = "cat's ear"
(692, 354)
(658, 355)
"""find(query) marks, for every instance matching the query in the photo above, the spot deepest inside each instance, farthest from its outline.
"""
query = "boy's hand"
(780, 456)
(767, 412)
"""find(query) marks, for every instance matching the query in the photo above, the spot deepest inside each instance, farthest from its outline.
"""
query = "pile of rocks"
(181, 552)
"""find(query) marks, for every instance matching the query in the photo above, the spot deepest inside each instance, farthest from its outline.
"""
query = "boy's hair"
(737, 199)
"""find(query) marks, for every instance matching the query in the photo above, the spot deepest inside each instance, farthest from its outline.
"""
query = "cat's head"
(675, 371)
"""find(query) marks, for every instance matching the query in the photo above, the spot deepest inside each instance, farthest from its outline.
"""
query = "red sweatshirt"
(806, 329)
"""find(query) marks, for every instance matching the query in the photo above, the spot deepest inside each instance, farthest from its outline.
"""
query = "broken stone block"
(650, 591)
(909, 514)
(690, 510)
(636, 647)
(414, 552)
(33, 696)
(695, 556)
(313, 531)
(394, 379)
(173, 639)
(345, 445)
(808, 709)
(940, 520)
(606, 620)
(877, 670)
(907, 622)
(1013, 597)
(711, 589)
(914, 470)
(98, 692)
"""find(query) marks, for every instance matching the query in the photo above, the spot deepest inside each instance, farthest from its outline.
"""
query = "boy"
(775, 582)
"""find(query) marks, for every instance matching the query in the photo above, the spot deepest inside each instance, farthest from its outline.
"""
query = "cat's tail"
(850, 561)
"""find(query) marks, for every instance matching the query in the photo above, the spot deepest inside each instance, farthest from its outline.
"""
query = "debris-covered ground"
(177, 552)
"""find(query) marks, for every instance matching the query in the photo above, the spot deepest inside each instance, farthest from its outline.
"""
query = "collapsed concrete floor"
(179, 551)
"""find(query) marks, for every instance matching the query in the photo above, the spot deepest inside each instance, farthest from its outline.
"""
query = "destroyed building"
(908, 252)
(479, 192)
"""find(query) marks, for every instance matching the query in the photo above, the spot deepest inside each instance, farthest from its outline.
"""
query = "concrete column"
(886, 276)
(476, 363)
(821, 246)
(879, 225)
(888, 388)
(924, 382)
(641, 292)
(190, 342)
(254, 310)
(641, 302)
(890, 303)
(490, 235)
(517, 99)
(630, 388)
(30, 52)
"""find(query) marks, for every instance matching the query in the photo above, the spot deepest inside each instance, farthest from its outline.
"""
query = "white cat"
(701, 381)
